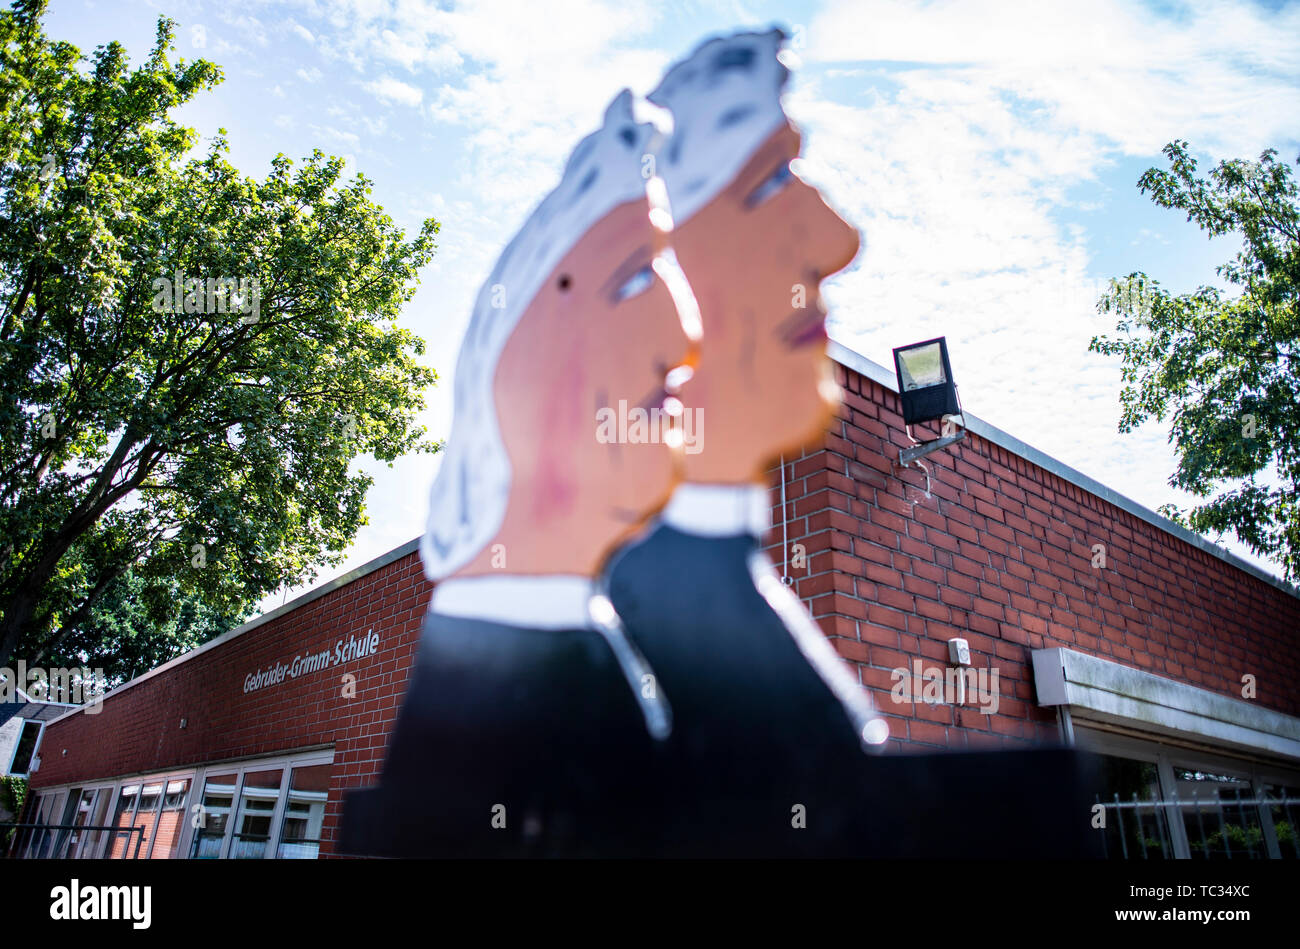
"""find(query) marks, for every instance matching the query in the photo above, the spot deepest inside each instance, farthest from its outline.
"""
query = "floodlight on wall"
(928, 394)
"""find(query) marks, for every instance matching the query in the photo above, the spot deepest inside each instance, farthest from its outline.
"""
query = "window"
(272, 808)
(64, 836)
(1135, 826)
(77, 808)
(257, 800)
(124, 840)
(1160, 800)
(92, 812)
(171, 820)
(83, 808)
(146, 815)
(1283, 818)
(26, 748)
(148, 819)
(210, 830)
(39, 842)
(1217, 824)
(268, 808)
(304, 813)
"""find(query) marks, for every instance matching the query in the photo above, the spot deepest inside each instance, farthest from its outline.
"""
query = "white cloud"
(957, 168)
(957, 165)
(523, 80)
(351, 139)
(394, 90)
(1224, 73)
(245, 29)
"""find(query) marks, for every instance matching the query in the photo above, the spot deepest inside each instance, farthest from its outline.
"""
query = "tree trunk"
(20, 603)
(17, 612)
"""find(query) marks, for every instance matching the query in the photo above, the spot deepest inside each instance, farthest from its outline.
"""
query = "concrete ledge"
(1108, 691)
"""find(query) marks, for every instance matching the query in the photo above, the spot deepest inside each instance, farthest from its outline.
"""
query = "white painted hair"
(467, 503)
(725, 100)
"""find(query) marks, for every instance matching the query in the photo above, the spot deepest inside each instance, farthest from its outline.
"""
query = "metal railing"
(1245, 823)
(29, 844)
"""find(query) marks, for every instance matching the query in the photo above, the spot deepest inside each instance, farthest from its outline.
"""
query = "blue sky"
(988, 151)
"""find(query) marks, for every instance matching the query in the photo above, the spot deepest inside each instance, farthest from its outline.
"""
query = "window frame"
(237, 807)
(286, 763)
(1095, 737)
(36, 748)
(163, 777)
(54, 797)
(287, 791)
(197, 776)
(101, 844)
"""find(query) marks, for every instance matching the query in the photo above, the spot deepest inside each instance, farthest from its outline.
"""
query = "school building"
(1095, 622)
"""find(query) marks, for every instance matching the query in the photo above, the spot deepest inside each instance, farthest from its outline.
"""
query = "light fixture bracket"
(908, 455)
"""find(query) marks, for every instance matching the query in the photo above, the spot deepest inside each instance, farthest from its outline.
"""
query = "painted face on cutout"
(595, 343)
(755, 256)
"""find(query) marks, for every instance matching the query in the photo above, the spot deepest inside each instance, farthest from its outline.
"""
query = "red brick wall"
(1000, 554)
(139, 730)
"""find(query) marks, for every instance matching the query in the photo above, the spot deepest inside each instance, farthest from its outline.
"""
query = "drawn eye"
(635, 285)
(771, 185)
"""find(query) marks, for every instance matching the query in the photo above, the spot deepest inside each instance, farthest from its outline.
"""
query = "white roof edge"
(383, 560)
(879, 374)
(28, 700)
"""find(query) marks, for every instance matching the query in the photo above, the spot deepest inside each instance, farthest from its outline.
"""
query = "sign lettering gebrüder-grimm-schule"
(344, 651)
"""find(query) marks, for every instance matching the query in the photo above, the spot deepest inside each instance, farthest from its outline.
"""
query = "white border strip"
(879, 374)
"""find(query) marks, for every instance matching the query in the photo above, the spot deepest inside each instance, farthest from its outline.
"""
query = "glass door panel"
(39, 840)
(146, 814)
(1284, 814)
(214, 813)
(257, 800)
(171, 821)
(304, 813)
(1219, 826)
(76, 812)
(123, 844)
(1136, 827)
(96, 817)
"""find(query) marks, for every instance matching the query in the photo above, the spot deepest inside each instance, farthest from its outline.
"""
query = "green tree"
(1221, 366)
(13, 795)
(139, 622)
(190, 359)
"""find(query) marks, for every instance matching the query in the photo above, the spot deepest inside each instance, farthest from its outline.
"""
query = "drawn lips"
(806, 327)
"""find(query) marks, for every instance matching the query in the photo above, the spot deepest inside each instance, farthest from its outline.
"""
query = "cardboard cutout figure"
(683, 702)
(766, 757)
(768, 717)
(530, 717)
